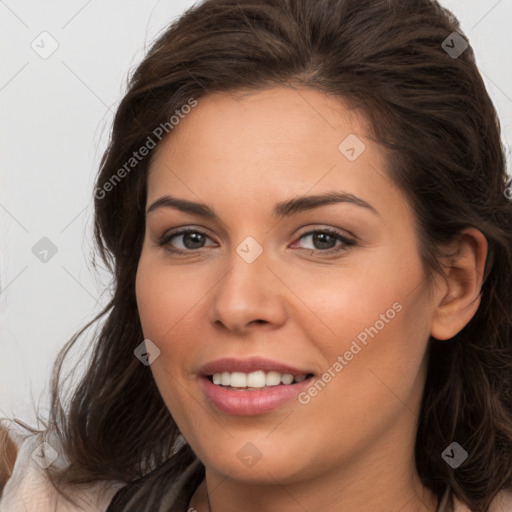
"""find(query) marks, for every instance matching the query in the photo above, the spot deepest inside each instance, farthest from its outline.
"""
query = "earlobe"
(461, 293)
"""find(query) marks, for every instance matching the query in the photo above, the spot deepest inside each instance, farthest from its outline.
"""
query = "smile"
(251, 386)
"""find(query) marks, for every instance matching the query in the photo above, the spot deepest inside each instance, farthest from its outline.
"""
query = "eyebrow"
(284, 209)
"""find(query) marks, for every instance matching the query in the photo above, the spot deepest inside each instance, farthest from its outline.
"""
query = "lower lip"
(247, 403)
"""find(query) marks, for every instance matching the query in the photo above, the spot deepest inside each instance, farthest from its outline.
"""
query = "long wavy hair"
(431, 112)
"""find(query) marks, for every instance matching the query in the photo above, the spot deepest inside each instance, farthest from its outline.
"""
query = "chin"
(257, 462)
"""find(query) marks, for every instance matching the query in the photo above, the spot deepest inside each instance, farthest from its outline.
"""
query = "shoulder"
(29, 488)
(502, 503)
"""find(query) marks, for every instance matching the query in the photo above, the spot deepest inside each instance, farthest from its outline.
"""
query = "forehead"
(277, 142)
(258, 120)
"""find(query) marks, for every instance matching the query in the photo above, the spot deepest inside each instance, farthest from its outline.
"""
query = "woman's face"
(331, 290)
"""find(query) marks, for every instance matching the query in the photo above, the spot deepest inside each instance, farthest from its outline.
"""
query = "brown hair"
(432, 114)
(8, 454)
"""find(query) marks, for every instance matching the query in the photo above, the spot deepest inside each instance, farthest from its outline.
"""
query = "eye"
(325, 240)
(192, 239)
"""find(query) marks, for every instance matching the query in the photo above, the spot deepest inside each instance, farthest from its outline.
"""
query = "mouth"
(252, 386)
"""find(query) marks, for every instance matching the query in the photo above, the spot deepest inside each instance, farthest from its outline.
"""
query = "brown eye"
(324, 240)
(192, 239)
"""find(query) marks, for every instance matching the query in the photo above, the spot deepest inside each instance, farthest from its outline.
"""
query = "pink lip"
(252, 364)
(248, 403)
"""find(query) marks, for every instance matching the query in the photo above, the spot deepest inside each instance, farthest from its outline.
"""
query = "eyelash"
(346, 242)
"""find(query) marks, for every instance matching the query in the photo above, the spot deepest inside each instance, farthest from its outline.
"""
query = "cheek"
(153, 303)
(165, 298)
(170, 301)
(339, 306)
(163, 303)
(375, 317)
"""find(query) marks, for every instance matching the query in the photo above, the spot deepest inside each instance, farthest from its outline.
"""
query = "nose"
(249, 294)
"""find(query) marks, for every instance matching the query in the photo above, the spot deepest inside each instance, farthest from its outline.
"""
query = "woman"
(304, 205)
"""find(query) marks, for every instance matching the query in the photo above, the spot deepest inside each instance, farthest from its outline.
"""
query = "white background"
(56, 115)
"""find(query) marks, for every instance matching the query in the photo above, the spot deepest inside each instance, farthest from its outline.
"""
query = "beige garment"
(29, 490)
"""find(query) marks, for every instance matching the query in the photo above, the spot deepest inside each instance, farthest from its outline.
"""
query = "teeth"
(258, 379)
(287, 378)
(273, 379)
(238, 380)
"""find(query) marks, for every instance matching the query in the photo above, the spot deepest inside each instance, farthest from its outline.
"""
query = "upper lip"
(252, 364)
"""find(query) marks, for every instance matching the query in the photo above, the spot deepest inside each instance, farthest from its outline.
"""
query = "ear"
(459, 295)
